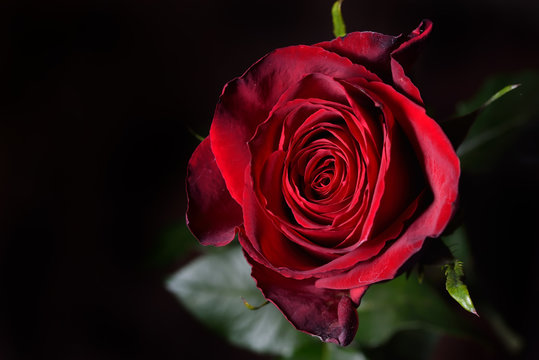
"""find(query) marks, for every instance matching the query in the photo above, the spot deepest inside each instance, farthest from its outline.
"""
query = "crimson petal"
(208, 198)
(404, 56)
(328, 314)
(385, 55)
(367, 48)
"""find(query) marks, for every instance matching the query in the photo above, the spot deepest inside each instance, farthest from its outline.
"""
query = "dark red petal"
(212, 215)
(389, 57)
(328, 314)
(404, 56)
(247, 101)
(441, 167)
(367, 48)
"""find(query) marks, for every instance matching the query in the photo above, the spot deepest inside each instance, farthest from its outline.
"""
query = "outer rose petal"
(328, 314)
(209, 199)
(367, 48)
(441, 167)
(404, 56)
(385, 55)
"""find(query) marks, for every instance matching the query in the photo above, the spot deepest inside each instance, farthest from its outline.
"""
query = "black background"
(95, 101)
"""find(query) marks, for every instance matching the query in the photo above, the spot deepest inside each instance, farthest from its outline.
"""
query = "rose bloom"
(324, 163)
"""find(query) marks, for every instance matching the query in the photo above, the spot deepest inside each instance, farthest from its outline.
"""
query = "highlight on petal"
(357, 293)
(328, 314)
(212, 215)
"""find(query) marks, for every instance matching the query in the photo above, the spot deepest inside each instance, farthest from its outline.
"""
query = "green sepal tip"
(456, 287)
(339, 29)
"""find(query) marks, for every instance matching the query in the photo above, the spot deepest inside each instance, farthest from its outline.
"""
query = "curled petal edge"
(208, 198)
(327, 314)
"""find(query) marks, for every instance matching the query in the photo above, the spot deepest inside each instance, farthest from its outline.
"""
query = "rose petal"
(367, 48)
(328, 314)
(208, 198)
(387, 56)
(404, 55)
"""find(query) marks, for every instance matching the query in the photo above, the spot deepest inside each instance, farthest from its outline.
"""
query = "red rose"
(323, 160)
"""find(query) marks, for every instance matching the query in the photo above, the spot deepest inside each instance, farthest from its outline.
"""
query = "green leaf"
(502, 117)
(456, 288)
(403, 304)
(471, 143)
(457, 128)
(339, 29)
(499, 94)
(212, 287)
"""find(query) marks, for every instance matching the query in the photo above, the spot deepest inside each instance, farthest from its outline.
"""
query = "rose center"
(319, 176)
(322, 180)
(317, 181)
